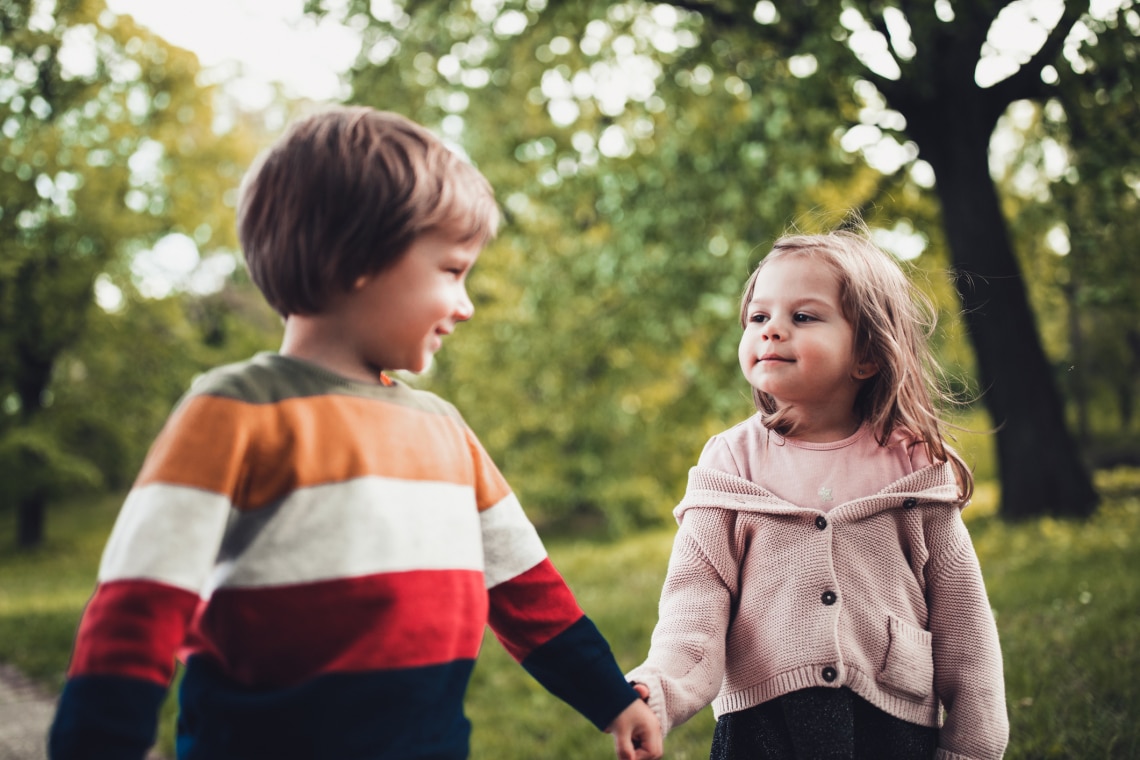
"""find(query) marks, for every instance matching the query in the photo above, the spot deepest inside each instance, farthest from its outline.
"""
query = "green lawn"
(1066, 595)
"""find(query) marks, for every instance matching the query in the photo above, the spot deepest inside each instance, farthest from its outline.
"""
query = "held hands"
(636, 731)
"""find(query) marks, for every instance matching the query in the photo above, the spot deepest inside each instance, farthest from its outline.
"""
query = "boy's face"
(399, 316)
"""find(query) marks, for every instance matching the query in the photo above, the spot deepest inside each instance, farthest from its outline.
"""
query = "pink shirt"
(814, 475)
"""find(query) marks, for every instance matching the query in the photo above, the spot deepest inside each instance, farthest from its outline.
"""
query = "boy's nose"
(465, 309)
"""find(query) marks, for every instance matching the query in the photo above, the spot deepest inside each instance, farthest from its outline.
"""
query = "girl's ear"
(360, 282)
(865, 370)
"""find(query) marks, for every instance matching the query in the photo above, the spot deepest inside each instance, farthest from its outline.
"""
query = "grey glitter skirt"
(820, 724)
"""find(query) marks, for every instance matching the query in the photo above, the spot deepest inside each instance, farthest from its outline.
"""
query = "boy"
(321, 544)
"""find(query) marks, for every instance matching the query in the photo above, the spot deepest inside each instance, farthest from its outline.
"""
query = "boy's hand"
(636, 731)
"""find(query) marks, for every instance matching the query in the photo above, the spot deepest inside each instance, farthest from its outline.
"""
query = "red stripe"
(532, 608)
(131, 628)
(282, 635)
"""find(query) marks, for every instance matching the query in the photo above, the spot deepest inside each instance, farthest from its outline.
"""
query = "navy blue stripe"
(105, 718)
(578, 667)
(412, 714)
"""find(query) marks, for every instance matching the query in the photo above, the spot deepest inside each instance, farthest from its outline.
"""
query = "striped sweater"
(323, 555)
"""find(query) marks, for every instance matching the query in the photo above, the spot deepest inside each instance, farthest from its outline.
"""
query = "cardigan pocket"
(909, 667)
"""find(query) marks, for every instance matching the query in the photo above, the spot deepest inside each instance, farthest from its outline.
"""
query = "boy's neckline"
(383, 379)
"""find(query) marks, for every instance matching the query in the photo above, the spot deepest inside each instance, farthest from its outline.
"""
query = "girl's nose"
(771, 331)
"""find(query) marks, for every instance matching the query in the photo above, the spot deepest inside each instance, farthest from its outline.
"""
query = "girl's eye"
(801, 317)
(758, 318)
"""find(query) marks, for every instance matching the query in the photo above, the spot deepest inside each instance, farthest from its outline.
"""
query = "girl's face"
(798, 347)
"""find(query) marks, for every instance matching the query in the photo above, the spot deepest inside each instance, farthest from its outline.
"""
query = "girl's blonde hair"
(892, 322)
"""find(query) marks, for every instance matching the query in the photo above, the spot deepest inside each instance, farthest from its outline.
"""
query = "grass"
(1065, 593)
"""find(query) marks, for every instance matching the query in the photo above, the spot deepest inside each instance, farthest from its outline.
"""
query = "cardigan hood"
(711, 488)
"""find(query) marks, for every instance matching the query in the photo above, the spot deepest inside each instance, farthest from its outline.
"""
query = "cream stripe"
(355, 528)
(168, 534)
(510, 543)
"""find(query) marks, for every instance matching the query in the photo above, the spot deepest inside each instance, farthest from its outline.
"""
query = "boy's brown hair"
(342, 194)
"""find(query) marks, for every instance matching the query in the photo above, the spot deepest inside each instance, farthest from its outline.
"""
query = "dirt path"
(26, 711)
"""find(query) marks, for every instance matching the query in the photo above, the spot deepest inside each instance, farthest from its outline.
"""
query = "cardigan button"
(829, 674)
(828, 598)
(821, 522)
(910, 503)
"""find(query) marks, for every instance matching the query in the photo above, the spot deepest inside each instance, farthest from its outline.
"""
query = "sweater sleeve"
(156, 562)
(533, 612)
(686, 661)
(968, 676)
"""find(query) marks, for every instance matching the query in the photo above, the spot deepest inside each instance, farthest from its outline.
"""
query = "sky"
(271, 39)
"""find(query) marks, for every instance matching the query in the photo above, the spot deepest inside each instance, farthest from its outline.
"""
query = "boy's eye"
(758, 318)
(801, 317)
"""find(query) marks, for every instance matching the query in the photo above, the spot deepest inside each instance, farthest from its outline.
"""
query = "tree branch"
(1026, 82)
(712, 13)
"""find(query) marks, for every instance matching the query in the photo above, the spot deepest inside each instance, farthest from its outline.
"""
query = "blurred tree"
(926, 65)
(805, 71)
(1072, 187)
(642, 165)
(113, 389)
(109, 146)
(1101, 202)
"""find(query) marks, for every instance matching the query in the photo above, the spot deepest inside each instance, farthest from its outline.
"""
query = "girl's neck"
(824, 428)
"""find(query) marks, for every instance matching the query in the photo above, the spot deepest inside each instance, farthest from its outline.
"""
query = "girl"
(823, 592)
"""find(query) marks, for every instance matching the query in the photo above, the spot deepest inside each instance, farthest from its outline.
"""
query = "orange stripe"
(258, 453)
(490, 485)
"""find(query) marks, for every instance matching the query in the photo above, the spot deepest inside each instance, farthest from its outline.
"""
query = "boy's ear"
(865, 370)
(360, 282)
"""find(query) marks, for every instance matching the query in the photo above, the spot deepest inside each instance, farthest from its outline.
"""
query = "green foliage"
(113, 391)
(109, 146)
(603, 351)
(1087, 207)
(35, 466)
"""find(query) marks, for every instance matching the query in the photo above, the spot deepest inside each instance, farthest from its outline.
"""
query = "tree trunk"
(1078, 388)
(1128, 386)
(30, 522)
(1039, 464)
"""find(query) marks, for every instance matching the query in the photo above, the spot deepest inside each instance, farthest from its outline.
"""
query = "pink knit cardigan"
(882, 595)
